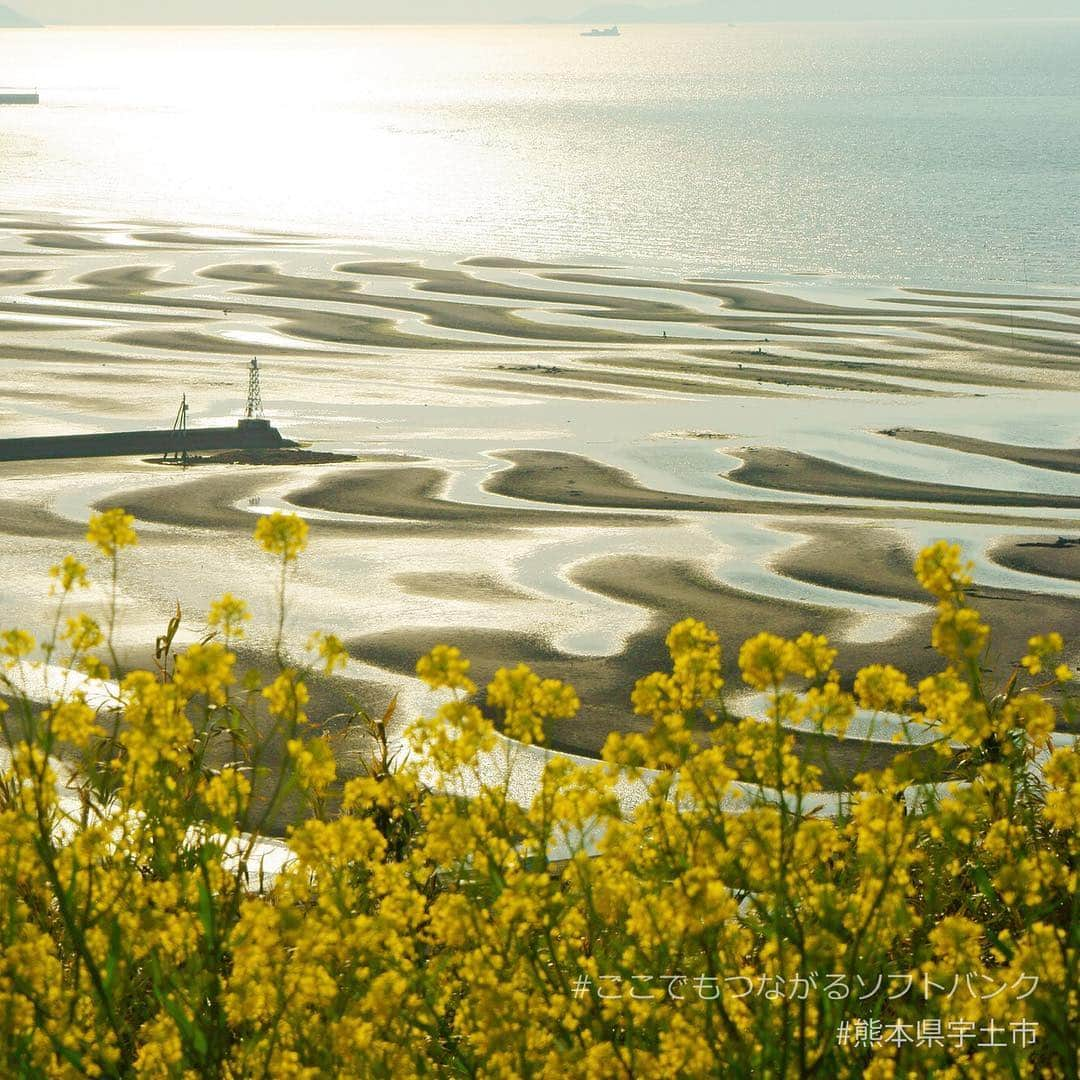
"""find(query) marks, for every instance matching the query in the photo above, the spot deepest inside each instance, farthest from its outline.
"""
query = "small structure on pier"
(253, 413)
(178, 455)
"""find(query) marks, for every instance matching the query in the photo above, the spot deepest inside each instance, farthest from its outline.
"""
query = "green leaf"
(986, 886)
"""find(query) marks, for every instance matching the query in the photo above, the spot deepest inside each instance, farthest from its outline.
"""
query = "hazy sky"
(436, 11)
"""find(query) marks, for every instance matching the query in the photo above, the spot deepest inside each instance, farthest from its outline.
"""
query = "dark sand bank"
(670, 590)
(417, 493)
(457, 283)
(785, 470)
(879, 562)
(1060, 459)
(538, 385)
(263, 280)
(551, 476)
(210, 503)
(1048, 556)
(26, 519)
(671, 384)
(475, 588)
(877, 373)
(870, 559)
(741, 368)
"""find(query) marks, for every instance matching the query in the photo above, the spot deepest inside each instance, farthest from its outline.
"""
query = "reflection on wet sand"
(540, 467)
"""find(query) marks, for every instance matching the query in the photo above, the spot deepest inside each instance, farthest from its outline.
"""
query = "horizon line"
(536, 22)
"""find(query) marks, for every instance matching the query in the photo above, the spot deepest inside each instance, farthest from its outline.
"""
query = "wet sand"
(1060, 459)
(783, 470)
(417, 494)
(610, 515)
(555, 477)
(1047, 556)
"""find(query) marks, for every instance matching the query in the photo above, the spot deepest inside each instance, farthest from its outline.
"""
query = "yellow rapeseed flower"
(882, 687)
(82, 632)
(809, 655)
(1040, 648)
(73, 721)
(941, 570)
(68, 575)
(282, 534)
(205, 669)
(228, 614)
(527, 701)
(111, 530)
(331, 651)
(1062, 772)
(1032, 714)
(690, 635)
(315, 766)
(763, 661)
(444, 668)
(16, 645)
(287, 695)
(959, 634)
(226, 794)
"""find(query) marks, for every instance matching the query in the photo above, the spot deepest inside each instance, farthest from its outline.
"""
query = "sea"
(936, 153)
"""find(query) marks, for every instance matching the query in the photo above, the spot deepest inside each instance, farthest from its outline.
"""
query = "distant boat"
(19, 97)
(611, 31)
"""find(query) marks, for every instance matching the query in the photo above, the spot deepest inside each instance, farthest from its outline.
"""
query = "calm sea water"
(928, 152)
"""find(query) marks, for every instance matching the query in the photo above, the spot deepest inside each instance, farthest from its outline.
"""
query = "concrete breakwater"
(246, 435)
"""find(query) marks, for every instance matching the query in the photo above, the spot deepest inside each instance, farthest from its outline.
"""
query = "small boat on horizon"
(611, 31)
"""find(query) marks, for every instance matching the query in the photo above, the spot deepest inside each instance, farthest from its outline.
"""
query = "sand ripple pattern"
(550, 463)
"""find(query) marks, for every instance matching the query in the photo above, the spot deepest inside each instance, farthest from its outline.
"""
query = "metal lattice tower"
(254, 398)
(179, 451)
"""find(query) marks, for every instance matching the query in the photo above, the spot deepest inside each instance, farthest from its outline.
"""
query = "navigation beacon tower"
(253, 413)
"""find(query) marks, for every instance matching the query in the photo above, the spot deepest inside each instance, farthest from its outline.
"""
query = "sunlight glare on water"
(934, 152)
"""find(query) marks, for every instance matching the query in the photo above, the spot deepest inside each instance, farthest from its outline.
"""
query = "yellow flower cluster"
(882, 688)
(228, 615)
(111, 531)
(16, 645)
(73, 721)
(205, 668)
(315, 766)
(287, 695)
(282, 534)
(444, 668)
(331, 651)
(941, 570)
(527, 701)
(69, 574)
(763, 661)
(226, 796)
(718, 916)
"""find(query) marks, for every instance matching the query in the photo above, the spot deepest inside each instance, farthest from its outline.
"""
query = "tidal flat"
(551, 463)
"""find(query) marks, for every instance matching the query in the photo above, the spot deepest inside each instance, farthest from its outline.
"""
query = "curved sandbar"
(551, 476)
(1048, 556)
(1060, 459)
(786, 470)
(670, 590)
(472, 588)
(267, 280)
(210, 502)
(878, 562)
(417, 494)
